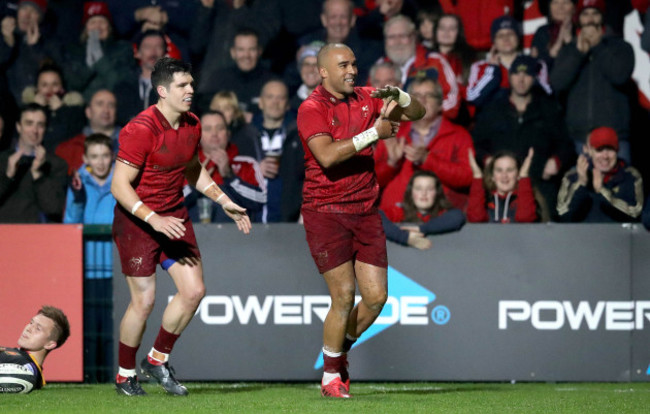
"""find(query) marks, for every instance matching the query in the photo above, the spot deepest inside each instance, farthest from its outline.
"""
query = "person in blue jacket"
(91, 202)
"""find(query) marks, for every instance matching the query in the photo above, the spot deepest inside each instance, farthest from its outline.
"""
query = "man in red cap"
(601, 187)
(591, 71)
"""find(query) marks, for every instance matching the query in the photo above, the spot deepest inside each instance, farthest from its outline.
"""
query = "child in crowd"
(93, 203)
(424, 205)
(507, 182)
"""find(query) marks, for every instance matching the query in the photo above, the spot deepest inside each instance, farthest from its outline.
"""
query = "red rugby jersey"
(349, 187)
(161, 153)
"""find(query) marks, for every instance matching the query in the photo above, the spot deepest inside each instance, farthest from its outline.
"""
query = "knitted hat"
(603, 137)
(309, 50)
(95, 8)
(504, 22)
(585, 4)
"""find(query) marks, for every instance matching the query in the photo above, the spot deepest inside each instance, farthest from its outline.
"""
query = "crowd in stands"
(518, 120)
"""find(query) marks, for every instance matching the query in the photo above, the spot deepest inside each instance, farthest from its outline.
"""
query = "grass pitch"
(368, 398)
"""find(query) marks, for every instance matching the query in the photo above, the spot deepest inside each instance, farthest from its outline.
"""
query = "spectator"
(450, 42)
(591, 72)
(64, 109)
(488, 78)
(426, 22)
(216, 24)
(426, 208)
(373, 15)
(134, 93)
(278, 149)
(385, 73)
(99, 61)
(32, 187)
(100, 114)
(526, 119)
(338, 22)
(432, 143)
(309, 75)
(401, 47)
(25, 44)
(240, 129)
(507, 182)
(171, 17)
(550, 38)
(246, 78)
(46, 331)
(237, 175)
(93, 203)
(602, 187)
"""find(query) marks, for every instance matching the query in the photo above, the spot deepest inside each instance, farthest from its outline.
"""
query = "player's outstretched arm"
(329, 152)
(123, 191)
(206, 185)
(407, 108)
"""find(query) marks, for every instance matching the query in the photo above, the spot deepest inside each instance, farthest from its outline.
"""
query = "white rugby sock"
(126, 373)
(329, 377)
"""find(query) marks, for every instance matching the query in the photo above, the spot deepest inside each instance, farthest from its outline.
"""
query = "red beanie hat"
(95, 8)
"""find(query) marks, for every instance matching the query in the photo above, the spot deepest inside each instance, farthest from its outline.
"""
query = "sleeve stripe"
(318, 134)
(129, 163)
(473, 92)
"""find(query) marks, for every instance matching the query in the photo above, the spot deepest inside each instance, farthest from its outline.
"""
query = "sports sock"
(163, 345)
(329, 377)
(156, 357)
(126, 356)
(332, 362)
(124, 374)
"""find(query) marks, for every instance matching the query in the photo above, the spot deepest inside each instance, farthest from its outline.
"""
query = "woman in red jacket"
(511, 195)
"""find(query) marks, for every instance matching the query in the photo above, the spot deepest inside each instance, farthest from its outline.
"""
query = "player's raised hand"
(239, 216)
(391, 93)
(171, 227)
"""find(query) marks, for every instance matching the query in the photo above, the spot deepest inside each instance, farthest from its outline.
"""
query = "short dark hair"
(31, 107)
(98, 139)
(246, 31)
(151, 32)
(163, 71)
(61, 330)
(50, 67)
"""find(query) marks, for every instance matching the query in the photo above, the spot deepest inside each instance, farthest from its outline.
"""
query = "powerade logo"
(554, 315)
(406, 304)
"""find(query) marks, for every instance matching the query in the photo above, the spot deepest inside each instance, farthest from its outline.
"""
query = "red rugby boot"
(335, 389)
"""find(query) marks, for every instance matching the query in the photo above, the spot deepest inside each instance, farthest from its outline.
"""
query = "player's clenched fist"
(386, 128)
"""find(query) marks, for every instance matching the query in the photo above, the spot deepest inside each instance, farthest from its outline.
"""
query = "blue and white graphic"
(407, 305)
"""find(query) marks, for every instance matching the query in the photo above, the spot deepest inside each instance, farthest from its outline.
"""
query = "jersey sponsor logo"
(551, 315)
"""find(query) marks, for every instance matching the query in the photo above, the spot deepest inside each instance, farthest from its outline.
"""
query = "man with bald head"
(338, 123)
(338, 21)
